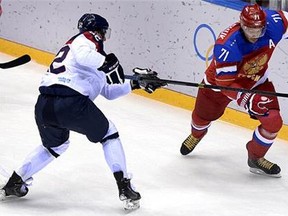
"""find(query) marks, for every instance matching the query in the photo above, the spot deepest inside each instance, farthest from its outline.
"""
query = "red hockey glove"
(255, 104)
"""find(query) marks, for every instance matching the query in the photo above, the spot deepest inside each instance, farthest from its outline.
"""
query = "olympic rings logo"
(209, 54)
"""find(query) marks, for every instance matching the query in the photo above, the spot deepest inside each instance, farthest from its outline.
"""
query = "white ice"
(213, 181)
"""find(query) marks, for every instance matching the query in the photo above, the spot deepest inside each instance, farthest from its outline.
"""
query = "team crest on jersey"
(252, 67)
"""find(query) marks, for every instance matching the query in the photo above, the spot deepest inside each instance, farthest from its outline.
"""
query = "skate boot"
(264, 167)
(189, 144)
(127, 194)
(15, 186)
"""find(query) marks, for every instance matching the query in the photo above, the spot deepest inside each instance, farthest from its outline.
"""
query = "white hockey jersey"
(75, 66)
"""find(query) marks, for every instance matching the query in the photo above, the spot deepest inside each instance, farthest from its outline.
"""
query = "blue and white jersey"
(76, 66)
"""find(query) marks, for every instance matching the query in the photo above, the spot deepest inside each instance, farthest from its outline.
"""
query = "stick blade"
(16, 62)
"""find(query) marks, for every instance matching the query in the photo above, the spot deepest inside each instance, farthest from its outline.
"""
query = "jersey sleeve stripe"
(225, 80)
(226, 70)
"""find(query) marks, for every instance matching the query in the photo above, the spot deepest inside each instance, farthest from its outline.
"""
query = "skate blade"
(131, 204)
(261, 172)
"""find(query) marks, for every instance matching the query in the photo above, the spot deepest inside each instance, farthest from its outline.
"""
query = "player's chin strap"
(154, 78)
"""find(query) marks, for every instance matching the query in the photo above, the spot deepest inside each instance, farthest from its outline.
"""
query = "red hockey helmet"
(253, 16)
(253, 19)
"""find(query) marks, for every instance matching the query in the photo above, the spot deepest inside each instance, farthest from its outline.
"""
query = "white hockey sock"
(115, 156)
(34, 162)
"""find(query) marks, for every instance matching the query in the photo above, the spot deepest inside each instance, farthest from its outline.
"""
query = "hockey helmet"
(253, 21)
(94, 22)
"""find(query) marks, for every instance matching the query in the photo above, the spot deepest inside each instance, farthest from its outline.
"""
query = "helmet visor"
(105, 33)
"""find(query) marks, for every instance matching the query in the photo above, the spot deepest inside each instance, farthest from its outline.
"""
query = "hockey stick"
(16, 62)
(202, 85)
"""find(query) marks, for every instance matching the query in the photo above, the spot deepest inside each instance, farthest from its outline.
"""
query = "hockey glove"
(112, 69)
(146, 79)
(255, 104)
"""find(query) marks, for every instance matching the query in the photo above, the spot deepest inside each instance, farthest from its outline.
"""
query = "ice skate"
(262, 166)
(130, 198)
(15, 187)
(189, 144)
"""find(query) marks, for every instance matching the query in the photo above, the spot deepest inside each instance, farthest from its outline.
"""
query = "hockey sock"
(259, 144)
(115, 156)
(38, 159)
(34, 162)
(199, 126)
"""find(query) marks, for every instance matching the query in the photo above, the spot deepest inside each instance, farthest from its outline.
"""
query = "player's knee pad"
(273, 122)
(58, 150)
(112, 133)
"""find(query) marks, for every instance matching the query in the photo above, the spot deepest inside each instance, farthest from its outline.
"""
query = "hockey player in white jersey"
(80, 72)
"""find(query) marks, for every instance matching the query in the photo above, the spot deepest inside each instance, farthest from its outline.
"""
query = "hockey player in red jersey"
(241, 55)
(80, 72)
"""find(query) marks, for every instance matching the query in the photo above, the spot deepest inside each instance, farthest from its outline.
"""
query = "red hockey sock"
(260, 143)
(198, 133)
(255, 150)
(199, 126)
